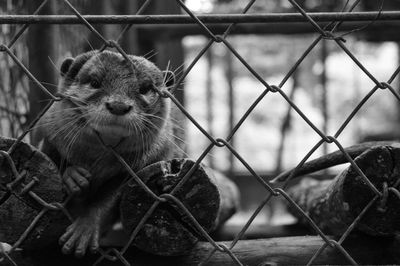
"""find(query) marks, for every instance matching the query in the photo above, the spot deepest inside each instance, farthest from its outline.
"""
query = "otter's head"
(119, 100)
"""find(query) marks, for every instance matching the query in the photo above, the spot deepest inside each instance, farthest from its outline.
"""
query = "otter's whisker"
(148, 122)
(170, 119)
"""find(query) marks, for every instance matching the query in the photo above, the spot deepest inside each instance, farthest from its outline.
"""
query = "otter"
(107, 101)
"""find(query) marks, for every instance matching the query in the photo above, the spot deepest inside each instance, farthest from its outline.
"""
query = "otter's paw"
(76, 180)
(81, 235)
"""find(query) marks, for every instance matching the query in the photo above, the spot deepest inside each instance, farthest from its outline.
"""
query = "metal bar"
(205, 18)
(175, 31)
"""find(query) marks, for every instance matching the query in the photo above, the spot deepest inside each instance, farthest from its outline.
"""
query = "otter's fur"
(106, 102)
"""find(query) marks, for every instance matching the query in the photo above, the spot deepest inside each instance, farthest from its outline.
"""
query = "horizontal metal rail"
(175, 31)
(209, 18)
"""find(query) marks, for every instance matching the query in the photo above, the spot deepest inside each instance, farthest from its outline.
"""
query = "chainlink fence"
(327, 32)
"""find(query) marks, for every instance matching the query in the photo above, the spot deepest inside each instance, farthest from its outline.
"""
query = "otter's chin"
(112, 131)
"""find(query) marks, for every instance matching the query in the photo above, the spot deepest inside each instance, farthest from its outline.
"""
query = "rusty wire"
(335, 19)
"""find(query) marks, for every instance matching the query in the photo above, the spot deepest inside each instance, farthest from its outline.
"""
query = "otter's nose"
(118, 108)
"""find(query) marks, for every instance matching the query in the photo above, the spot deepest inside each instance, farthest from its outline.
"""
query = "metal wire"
(335, 19)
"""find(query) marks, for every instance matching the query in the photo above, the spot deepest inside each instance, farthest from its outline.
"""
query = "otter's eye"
(95, 83)
(146, 88)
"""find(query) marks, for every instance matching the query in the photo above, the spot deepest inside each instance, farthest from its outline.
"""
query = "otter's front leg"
(76, 180)
(83, 233)
(93, 215)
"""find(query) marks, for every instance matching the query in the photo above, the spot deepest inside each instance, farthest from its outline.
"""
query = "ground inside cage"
(274, 251)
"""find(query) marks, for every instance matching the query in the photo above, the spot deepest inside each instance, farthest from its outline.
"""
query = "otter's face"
(118, 101)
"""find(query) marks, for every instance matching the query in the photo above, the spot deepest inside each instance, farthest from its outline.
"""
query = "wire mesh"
(328, 33)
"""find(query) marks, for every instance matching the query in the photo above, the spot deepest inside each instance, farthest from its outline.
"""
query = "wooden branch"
(274, 251)
(209, 196)
(332, 159)
(336, 203)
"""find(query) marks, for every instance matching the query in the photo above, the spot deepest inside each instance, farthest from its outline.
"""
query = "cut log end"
(335, 204)
(38, 177)
(169, 231)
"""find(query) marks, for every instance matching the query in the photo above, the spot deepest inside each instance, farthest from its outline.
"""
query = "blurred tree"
(13, 82)
(41, 44)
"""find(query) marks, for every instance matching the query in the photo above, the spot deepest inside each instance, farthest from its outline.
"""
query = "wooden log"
(209, 196)
(18, 208)
(260, 230)
(334, 204)
(273, 251)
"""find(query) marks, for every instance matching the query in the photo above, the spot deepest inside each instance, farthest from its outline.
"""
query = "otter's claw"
(76, 180)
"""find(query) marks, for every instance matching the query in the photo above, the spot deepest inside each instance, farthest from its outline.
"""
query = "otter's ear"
(66, 64)
(169, 78)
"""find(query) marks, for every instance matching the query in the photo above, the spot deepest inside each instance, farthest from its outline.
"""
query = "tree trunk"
(42, 46)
